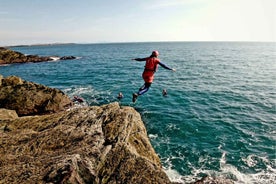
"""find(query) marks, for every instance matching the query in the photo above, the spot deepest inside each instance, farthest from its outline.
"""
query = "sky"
(98, 21)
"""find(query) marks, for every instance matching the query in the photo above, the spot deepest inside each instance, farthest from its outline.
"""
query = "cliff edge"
(105, 144)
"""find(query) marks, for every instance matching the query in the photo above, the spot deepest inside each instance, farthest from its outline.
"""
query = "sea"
(218, 117)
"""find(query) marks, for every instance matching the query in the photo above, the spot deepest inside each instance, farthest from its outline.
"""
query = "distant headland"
(38, 44)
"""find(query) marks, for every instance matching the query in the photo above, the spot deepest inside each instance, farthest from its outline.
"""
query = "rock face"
(28, 98)
(106, 144)
(101, 145)
(11, 57)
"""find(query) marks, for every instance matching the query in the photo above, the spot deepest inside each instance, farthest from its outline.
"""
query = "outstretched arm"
(139, 59)
(165, 66)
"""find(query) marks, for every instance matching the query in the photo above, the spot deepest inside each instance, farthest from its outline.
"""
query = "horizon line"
(84, 43)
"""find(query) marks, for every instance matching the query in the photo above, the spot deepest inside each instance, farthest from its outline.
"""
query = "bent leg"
(144, 88)
(141, 91)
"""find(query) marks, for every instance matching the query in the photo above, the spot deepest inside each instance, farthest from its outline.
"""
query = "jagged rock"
(100, 145)
(28, 98)
(67, 57)
(7, 114)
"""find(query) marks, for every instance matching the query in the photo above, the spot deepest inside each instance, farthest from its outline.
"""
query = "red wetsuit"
(150, 68)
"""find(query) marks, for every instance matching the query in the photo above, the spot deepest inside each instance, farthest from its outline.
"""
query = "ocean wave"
(90, 95)
(4, 65)
(227, 171)
(54, 58)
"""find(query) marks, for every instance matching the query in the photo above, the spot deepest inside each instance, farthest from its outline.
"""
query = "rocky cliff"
(106, 144)
(101, 144)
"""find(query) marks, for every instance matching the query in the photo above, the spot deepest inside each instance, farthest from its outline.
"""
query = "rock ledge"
(28, 98)
(106, 144)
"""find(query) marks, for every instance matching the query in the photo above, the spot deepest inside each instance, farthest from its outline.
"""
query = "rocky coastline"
(44, 140)
(8, 56)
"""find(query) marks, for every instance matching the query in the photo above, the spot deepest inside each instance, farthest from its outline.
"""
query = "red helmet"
(155, 53)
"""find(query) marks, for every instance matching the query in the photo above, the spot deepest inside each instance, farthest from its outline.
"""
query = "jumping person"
(148, 74)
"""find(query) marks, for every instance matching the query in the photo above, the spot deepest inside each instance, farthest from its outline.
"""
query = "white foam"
(172, 127)
(78, 90)
(173, 175)
(250, 160)
(54, 58)
(153, 136)
(90, 95)
(264, 177)
(227, 171)
(4, 64)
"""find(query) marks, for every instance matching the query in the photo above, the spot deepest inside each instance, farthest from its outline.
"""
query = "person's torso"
(151, 64)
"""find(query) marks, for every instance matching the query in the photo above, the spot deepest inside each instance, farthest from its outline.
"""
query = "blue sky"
(91, 21)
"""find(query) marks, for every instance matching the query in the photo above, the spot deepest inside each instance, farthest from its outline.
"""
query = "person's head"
(154, 53)
(164, 92)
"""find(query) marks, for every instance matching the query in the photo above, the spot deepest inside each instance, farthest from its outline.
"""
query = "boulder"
(28, 98)
(100, 145)
(67, 57)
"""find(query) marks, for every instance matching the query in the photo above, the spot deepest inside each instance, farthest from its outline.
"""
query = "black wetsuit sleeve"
(164, 66)
(140, 59)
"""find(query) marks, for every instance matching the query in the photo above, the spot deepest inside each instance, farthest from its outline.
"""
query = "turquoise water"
(218, 119)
